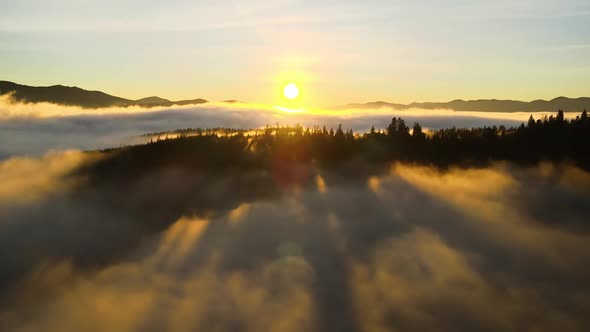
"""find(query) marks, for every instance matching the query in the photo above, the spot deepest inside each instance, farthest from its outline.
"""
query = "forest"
(286, 148)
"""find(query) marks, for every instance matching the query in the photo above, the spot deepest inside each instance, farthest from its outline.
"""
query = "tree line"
(551, 138)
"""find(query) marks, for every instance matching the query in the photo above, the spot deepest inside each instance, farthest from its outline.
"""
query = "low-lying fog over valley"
(293, 228)
(414, 248)
(295, 166)
(34, 129)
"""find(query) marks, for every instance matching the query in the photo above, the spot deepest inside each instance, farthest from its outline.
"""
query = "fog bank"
(501, 248)
(34, 129)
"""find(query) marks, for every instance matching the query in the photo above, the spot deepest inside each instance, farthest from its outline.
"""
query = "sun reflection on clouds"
(289, 110)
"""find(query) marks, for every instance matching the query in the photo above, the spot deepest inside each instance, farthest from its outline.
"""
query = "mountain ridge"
(75, 96)
(487, 105)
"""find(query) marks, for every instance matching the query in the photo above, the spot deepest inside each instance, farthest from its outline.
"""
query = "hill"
(488, 105)
(74, 96)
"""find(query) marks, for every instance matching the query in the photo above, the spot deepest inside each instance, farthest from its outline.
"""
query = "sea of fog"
(495, 248)
(34, 129)
(501, 248)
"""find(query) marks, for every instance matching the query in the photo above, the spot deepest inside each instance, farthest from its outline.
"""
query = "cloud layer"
(33, 129)
(494, 249)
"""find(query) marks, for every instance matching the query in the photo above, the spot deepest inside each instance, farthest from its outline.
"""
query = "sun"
(291, 91)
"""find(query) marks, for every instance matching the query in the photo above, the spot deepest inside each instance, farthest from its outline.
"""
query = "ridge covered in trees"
(552, 138)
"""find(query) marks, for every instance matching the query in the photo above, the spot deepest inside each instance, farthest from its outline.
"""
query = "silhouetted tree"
(560, 117)
(402, 128)
(350, 135)
(531, 123)
(339, 132)
(417, 131)
(392, 128)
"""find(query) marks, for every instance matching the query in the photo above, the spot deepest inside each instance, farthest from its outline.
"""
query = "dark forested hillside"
(289, 149)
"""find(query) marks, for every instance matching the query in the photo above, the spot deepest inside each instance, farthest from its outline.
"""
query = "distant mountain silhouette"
(74, 96)
(488, 105)
(151, 101)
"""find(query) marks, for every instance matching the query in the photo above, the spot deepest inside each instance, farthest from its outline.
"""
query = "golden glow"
(374, 184)
(179, 239)
(288, 110)
(238, 214)
(321, 184)
(291, 91)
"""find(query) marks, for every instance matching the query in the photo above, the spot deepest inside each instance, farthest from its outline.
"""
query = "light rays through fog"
(410, 249)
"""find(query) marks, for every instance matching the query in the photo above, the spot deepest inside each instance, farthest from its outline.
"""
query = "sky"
(336, 51)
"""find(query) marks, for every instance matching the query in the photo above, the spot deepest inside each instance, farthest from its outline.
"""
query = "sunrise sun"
(291, 91)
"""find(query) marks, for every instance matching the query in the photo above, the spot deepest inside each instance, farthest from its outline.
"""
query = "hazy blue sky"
(337, 51)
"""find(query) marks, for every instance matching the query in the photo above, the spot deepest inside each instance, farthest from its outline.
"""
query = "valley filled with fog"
(295, 166)
(34, 129)
(497, 248)
(288, 230)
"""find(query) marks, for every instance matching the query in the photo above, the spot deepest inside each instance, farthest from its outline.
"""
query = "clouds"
(419, 282)
(413, 249)
(27, 179)
(34, 129)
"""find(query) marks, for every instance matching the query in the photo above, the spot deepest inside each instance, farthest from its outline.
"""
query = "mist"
(500, 248)
(34, 129)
